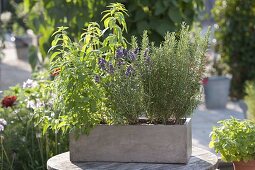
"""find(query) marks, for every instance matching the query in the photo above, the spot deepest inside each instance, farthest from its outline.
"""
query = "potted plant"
(235, 141)
(22, 41)
(217, 85)
(103, 87)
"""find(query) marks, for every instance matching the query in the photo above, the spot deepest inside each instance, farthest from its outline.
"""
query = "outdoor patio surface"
(13, 71)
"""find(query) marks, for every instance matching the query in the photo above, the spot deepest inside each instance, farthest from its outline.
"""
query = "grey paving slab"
(203, 120)
(13, 70)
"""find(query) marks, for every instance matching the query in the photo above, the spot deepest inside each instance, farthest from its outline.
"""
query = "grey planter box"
(134, 143)
(217, 92)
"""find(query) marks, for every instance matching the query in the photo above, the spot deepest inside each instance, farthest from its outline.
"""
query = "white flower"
(39, 103)
(29, 83)
(52, 114)
(38, 135)
(23, 139)
(3, 122)
(1, 128)
(30, 104)
(34, 104)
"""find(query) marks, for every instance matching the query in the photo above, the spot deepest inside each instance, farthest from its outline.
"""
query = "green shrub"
(24, 143)
(234, 140)
(79, 97)
(250, 99)
(236, 38)
(172, 81)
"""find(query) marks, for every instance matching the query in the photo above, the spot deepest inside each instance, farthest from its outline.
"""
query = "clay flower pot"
(250, 165)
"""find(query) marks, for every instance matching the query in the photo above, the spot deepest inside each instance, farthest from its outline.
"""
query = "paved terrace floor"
(15, 71)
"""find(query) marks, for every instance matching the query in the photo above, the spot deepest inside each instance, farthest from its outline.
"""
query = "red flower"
(8, 101)
(205, 81)
(55, 72)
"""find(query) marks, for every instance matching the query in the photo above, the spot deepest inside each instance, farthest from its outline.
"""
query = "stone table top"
(201, 159)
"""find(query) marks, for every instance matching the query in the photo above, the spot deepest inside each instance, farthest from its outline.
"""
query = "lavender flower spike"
(129, 70)
(136, 51)
(111, 68)
(101, 63)
(97, 79)
(132, 56)
(119, 53)
(146, 55)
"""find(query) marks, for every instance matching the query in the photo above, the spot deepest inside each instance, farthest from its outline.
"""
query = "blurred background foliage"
(158, 17)
(236, 40)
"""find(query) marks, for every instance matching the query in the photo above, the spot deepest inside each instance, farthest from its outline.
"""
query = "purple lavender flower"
(111, 68)
(101, 63)
(97, 78)
(136, 51)
(132, 56)
(129, 70)
(119, 53)
(120, 63)
(125, 52)
(146, 55)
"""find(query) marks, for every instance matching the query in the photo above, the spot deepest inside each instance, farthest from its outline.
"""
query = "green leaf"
(141, 26)
(26, 5)
(54, 55)
(174, 14)
(139, 15)
(159, 8)
(45, 128)
(162, 26)
(33, 57)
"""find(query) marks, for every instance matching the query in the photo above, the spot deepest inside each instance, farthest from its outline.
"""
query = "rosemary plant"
(172, 84)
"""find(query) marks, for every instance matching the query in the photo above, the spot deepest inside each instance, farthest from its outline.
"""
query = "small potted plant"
(103, 87)
(217, 84)
(235, 141)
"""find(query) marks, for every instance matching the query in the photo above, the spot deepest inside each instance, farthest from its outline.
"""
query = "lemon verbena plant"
(75, 66)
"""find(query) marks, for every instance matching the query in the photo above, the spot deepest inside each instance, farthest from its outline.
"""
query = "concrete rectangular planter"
(134, 143)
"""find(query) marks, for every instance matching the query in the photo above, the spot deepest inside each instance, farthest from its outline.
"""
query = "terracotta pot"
(250, 165)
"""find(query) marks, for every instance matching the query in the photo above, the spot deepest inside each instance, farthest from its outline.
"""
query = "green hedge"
(43, 16)
(236, 38)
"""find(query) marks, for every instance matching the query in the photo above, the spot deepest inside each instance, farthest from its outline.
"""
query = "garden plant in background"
(249, 99)
(24, 145)
(234, 140)
(43, 16)
(236, 40)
